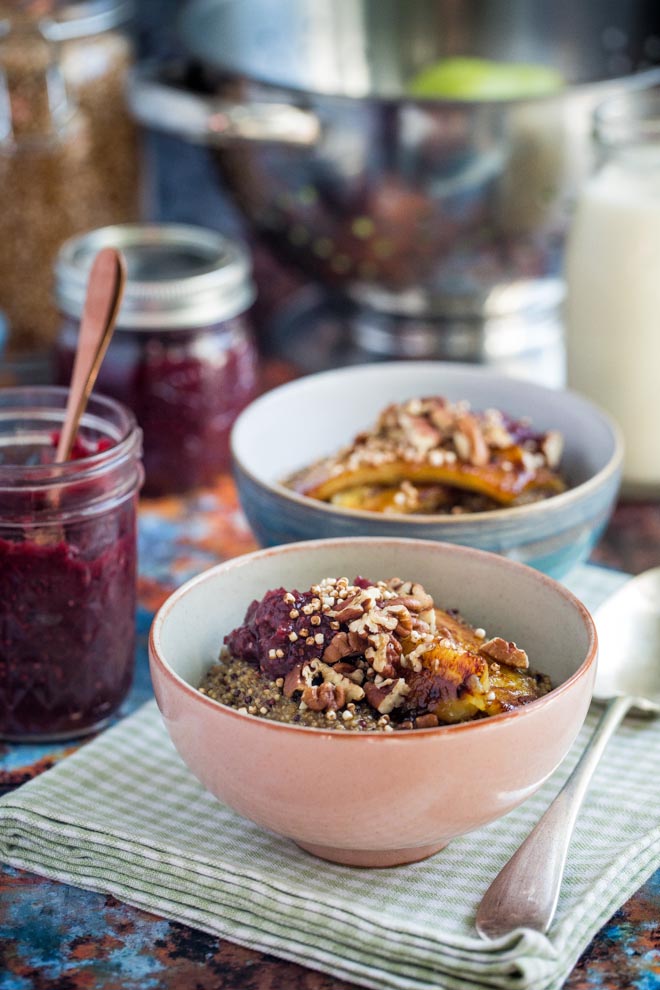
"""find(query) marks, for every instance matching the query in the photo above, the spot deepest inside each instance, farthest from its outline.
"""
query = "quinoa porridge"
(367, 656)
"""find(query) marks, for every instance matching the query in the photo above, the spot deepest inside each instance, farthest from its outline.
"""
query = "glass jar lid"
(177, 275)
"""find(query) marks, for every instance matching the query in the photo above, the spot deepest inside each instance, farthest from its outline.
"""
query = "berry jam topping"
(284, 629)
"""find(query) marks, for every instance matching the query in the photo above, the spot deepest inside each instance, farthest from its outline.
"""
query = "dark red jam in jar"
(67, 565)
(182, 357)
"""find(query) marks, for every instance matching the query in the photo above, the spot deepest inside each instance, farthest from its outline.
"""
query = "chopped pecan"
(338, 648)
(349, 610)
(294, 681)
(384, 652)
(421, 595)
(404, 624)
(441, 416)
(428, 721)
(385, 698)
(496, 434)
(502, 651)
(375, 621)
(357, 642)
(427, 616)
(421, 627)
(552, 446)
(351, 690)
(348, 670)
(325, 697)
(413, 597)
(469, 441)
(420, 433)
(404, 601)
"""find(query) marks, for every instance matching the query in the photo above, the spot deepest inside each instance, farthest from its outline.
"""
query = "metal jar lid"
(82, 18)
(178, 275)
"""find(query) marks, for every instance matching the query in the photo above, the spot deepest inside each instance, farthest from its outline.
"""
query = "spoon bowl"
(628, 627)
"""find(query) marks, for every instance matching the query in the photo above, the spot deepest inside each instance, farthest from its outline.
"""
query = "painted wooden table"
(56, 937)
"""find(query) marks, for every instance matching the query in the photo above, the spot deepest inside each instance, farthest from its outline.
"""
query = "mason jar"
(182, 356)
(612, 297)
(97, 54)
(69, 155)
(67, 564)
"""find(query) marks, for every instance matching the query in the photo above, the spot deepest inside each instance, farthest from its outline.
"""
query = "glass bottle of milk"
(612, 308)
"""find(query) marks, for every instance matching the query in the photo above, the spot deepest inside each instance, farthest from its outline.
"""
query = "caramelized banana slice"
(452, 683)
(511, 687)
(503, 484)
(432, 443)
(405, 498)
(456, 683)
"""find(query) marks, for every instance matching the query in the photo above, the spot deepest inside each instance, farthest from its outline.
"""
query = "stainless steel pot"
(415, 207)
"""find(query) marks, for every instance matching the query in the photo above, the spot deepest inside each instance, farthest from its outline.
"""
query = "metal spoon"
(104, 291)
(525, 892)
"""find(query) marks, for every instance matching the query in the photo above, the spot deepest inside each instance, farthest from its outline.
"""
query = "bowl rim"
(478, 519)
(157, 657)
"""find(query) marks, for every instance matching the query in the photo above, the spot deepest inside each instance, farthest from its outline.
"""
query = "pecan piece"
(428, 721)
(348, 670)
(413, 596)
(294, 681)
(325, 697)
(420, 433)
(385, 698)
(507, 653)
(421, 627)
(349, 610)
(385, 651)
(404, 601)
(441, 416)
(420, 593)
(338, 648)
(351, 689)
(397, 585)
(427, 616)
(469, 441)
(404, 624)
(552, 445)
(357, 642)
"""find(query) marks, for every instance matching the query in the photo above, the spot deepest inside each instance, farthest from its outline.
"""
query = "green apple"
(467, 78)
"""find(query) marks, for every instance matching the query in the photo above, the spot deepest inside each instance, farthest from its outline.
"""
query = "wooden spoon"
(104, 292)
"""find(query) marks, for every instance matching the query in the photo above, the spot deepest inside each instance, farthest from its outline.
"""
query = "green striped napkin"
(124, 816)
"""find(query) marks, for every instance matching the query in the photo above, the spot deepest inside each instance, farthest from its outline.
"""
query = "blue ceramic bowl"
(314, 416)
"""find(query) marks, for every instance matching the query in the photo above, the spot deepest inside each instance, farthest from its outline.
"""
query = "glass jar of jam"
(182, 356)
(67, 564)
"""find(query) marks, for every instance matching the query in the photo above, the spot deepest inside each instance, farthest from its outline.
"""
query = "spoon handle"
(104, 291)
(525, 892)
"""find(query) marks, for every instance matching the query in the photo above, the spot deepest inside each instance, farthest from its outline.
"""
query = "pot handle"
(213, 121)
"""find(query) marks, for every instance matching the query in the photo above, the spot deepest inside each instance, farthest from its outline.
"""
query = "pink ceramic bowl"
(375, 799)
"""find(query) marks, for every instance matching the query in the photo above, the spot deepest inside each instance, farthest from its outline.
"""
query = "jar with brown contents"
(68, 152)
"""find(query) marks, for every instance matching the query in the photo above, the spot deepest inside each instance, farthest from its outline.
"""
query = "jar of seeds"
(68, 152)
